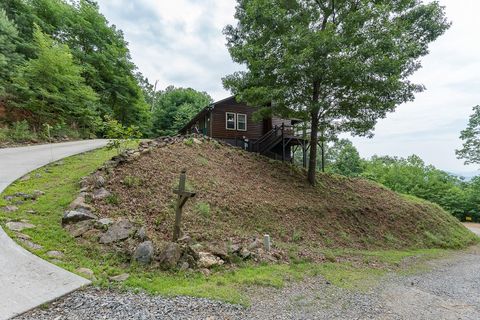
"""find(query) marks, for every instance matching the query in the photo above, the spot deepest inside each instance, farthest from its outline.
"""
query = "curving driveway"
(26, 281)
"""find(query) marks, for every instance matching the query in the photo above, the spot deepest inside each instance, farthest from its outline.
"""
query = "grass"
(60, 182)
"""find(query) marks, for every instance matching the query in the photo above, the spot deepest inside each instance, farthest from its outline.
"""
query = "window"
(231, 121)
(241, 122)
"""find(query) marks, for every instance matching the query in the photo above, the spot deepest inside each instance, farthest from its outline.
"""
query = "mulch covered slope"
(242, 195)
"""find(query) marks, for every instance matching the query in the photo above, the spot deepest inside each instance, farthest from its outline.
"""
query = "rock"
(245, 253)
(219, 251)
(79, 203)
(205, 272)
(142, 234)
(208, 260)
(235, 248)
(99, 181)
(23, 195)
(254, 245)
(19, 226)
(197, 247)
(25, 178)
(55, 254)
(32, 212)
(103, 223)
(37, 193)
(197, 141)
(101, 194)
(86, 273)
(186, 239)
(144, 253)
(170, 256)
(22, 236)
(75, 216)
(120, 277)
(119, 231)
(8, 198)
(10, 208)
(30, 244)
(184, 266)
(80, 228)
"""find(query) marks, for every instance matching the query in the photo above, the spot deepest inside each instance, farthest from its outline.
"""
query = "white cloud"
(181, 43)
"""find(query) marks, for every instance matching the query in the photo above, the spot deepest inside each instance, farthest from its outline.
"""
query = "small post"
(183, 196)
(266, 243)
(283, 142)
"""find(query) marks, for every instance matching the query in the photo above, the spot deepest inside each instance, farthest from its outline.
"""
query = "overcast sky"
(181, 43)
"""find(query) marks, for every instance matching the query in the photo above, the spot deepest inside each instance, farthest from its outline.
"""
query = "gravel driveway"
(451, 290)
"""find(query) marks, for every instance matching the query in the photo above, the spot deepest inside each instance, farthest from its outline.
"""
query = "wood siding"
(218, 115)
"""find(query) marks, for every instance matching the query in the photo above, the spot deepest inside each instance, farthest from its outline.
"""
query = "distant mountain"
(467, 175)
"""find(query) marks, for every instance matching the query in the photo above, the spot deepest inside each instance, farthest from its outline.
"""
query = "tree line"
(409, 176)
(64, 68)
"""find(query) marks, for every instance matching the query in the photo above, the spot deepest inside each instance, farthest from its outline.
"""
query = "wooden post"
(183, 196)
(283, 142)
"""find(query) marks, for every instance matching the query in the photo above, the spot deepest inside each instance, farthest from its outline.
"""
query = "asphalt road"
(27, 281)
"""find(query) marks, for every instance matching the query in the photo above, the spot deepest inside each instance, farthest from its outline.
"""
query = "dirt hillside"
(241, 196)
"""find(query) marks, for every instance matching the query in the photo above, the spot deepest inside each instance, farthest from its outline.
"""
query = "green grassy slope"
(241, 195)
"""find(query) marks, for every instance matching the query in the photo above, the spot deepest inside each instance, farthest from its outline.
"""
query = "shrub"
(3, 134)
(20, 132)
(203, 208)
(119, 135)
(132, 181)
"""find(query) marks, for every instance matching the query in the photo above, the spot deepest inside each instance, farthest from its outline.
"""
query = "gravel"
(449, 290)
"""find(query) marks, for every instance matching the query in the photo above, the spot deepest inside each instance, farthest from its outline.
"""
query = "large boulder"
(170, 256)
(144, 253)
(74, 216)
(118, 231)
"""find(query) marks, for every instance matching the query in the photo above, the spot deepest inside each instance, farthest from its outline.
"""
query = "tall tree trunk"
(312, 167)
(322, 148)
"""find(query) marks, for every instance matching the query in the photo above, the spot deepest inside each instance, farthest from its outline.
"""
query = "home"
(233, 123)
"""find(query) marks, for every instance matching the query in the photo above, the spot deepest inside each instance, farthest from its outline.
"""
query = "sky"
(181, 43)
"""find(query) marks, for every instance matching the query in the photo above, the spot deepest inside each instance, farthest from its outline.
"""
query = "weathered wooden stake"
(183, 196)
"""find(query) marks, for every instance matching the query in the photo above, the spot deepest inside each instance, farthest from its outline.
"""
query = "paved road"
(27, 281)
(474, 227)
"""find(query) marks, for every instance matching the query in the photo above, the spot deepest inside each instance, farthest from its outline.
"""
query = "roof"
(201, 114)
(206, 110)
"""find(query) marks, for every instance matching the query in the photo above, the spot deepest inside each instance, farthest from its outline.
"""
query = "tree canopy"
(97, 49)
(9, 57)
(471, 137)
(174, 107)
(341, 64)
(51, 89)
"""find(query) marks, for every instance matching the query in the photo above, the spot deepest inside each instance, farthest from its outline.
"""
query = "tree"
(174, 107)
(51, 88)
(471, 137)
(335, 63)
(9, 58)
(343, 158)
(95, 44)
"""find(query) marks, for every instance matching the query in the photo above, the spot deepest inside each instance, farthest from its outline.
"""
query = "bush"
(203, 208)
(3, 134)
(20, 132)
(119, 135)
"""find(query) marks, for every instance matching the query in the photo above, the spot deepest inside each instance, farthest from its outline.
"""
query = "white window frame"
(234, 120)
(244, 115)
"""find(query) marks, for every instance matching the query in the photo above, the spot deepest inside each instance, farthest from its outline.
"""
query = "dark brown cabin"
(233, 123)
